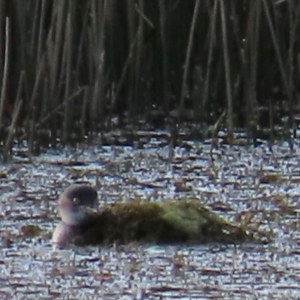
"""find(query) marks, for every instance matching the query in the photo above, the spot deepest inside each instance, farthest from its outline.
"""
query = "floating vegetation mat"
(171, 222)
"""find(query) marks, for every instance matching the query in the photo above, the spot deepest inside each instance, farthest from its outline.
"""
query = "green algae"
(171, 222)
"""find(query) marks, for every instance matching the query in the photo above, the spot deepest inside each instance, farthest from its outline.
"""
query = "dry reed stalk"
(11, 132)
(33, 113)
(98, 53)
(136, 103)
(5, 69)
(188, 57)
(40, 31)
(124, 72)
(2, 39)
(54, 49)
(293, 26)
(212, 40)
(86, 95)
(227, 73)
(164, 46)
(131, 31)
(16, 112)
(276, 47)
(68, 107)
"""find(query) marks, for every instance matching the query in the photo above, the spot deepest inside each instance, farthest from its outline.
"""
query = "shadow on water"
(233, 181)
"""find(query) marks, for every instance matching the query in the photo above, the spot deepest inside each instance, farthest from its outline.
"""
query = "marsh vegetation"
(71, 70)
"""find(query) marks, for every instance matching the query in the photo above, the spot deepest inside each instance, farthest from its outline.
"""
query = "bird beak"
(89, 210)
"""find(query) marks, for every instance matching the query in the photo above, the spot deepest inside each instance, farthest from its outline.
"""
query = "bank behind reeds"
(67, 67)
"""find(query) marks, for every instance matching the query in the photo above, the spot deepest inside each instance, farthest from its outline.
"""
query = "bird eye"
(76, 200)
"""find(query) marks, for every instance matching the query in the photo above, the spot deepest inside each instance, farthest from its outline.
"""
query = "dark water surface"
(231, 180)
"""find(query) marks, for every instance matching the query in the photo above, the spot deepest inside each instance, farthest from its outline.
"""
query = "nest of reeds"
(158, 223)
